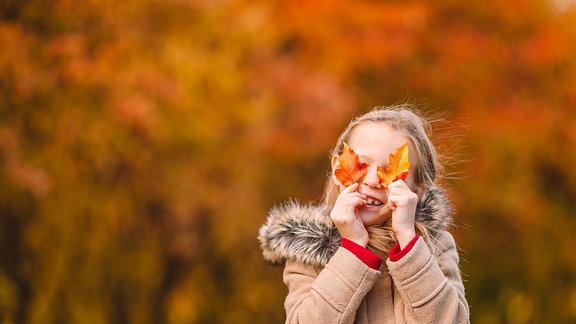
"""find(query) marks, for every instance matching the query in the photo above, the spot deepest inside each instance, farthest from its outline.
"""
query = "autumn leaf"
(350, 170)
(398, 167)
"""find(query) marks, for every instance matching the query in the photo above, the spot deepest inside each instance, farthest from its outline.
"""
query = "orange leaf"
(398, 167)
(350, 170)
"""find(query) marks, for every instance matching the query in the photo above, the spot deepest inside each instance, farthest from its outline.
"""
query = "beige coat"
(328, 284)
(418, 289)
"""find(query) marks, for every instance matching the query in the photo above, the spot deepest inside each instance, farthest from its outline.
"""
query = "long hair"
(404, 118)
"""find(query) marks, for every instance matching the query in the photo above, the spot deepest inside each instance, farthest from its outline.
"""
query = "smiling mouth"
(373, 202)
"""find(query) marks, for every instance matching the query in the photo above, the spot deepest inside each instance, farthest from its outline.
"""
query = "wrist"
(405, 237)
(359, 241)
(396, 253)
(368, 257)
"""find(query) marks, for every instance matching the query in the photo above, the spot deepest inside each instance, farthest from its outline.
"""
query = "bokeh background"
(142, 143)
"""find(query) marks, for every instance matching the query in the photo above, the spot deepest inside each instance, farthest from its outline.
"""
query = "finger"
(392, 205)
(398, 184)
(397, 201)
(396, 198)
(349, 202)
(351, 191)
(351, 188)
(345, 196)
(354, 199)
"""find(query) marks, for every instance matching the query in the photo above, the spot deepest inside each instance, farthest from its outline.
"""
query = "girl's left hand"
(402, 201)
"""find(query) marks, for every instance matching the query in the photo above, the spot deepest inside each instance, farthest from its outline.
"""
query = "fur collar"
(305, 232)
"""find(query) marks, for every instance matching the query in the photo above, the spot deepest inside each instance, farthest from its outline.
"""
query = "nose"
(371, 178)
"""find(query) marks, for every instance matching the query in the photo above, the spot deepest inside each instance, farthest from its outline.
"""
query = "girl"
(333, 253)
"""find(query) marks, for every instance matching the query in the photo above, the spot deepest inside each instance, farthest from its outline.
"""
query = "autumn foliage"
(142, 143)
(398, 166)
(349, 170)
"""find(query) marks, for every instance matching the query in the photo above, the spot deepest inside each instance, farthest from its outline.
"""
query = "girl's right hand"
(345, 216)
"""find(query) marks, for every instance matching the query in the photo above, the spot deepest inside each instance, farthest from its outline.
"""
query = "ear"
(335, 165)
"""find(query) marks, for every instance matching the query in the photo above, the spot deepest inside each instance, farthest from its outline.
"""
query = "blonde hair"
(403, 118)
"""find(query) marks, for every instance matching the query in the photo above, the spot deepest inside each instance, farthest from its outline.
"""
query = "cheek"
(411, 181)
(414, 159)
(418, 189)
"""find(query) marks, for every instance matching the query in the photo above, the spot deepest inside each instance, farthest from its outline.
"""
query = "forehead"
(374, 141)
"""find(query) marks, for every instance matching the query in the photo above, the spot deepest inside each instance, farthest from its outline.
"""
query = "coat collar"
(305, 233)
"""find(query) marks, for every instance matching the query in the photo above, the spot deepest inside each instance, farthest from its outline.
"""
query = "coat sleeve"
(431, 288)
(330, 295)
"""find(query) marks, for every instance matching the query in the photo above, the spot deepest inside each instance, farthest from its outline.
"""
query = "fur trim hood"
(305, 232)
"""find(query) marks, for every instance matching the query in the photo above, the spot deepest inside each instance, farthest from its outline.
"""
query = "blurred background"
(142, 143)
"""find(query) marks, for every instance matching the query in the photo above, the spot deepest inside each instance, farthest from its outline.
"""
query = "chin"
(374, 215)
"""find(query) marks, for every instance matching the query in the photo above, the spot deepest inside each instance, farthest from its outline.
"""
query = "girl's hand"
(402, 201)
(345, 216)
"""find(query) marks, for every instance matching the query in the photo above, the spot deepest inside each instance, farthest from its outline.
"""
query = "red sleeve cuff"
(362, 253)
(396, 253)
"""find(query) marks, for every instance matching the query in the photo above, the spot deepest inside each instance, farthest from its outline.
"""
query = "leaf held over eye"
(398, 167)
(350, 170)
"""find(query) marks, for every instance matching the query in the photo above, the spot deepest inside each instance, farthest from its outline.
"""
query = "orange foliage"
(141, 143)
(398, 166)
(349, 170)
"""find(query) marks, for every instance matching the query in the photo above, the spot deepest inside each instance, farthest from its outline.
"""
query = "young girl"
(333, 253)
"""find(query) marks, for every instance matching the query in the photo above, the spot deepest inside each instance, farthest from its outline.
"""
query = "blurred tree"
(141, 143)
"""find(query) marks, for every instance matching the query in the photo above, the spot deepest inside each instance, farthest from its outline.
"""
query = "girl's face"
(374, 142)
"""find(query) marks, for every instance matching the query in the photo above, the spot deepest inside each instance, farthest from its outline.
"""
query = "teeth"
(373, 202)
